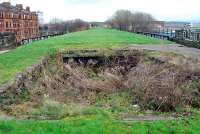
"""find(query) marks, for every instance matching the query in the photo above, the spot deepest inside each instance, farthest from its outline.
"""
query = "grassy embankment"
(100, 124)
(95, 120)
(19, 59)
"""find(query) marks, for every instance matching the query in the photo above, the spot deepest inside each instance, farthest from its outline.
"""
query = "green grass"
(19, 59)
(100, 123)
(96, 120)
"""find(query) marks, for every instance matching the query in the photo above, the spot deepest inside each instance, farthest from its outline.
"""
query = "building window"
(7, 25)
(198, 37)
(1, 15)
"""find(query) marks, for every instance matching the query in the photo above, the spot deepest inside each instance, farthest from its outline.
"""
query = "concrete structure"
(7, 40)
(167, 26)
(195, 25)
(173, 25)
(16, 19)
(189, 33)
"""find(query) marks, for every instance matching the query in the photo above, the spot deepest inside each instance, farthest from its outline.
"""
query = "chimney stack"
(28, 8)
(6, 4)
(19, 6)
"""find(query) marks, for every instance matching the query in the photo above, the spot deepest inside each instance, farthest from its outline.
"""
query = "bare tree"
(77, 25)
(121, 19)
(128, 21)
(58, 26)
(141, 22)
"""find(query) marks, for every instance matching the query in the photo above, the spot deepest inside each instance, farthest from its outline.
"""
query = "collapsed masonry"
(155, 83)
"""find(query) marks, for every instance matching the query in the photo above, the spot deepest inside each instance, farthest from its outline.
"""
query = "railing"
(163, 36)
(173, 38)
(30, 40)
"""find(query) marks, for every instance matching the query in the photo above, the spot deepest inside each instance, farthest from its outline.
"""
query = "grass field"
(100, 123)
(19, 59)
(95, 119)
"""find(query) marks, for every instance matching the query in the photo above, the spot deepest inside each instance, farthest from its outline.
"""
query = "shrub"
(157, 86)
(191, 93)
(57, 110)
(50, 108)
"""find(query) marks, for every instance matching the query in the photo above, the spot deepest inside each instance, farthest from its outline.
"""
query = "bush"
(50, 108)
(191, 93)
(157, 86)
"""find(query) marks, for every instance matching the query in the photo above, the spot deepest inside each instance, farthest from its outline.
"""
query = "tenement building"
(16, 19)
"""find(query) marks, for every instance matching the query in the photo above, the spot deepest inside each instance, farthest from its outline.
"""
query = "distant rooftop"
(6, 6)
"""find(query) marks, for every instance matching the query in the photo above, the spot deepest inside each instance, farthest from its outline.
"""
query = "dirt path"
(129, 118)
(4, 51)
(176, 48)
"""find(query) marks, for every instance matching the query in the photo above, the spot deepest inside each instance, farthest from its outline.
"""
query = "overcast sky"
(100, 10)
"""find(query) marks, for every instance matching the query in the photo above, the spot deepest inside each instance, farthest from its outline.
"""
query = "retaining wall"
(9, 92)
(7, 40)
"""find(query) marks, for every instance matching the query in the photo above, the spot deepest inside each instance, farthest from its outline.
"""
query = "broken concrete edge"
(96, 52)
(64, 53)
(22, 81)
(30, 74)
(128, 118)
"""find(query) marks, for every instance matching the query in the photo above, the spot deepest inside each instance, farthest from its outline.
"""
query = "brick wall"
(18, 20)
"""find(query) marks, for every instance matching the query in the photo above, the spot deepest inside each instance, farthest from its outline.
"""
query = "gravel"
(176, 48)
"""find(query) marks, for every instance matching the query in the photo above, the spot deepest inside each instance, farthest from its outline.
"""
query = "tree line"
(131, 21)
(60, 26)
(124, 20)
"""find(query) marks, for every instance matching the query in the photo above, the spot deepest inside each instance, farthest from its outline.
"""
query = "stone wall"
(7, 40)
(10, 93)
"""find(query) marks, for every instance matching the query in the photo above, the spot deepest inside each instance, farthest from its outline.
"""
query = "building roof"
(6, 6)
